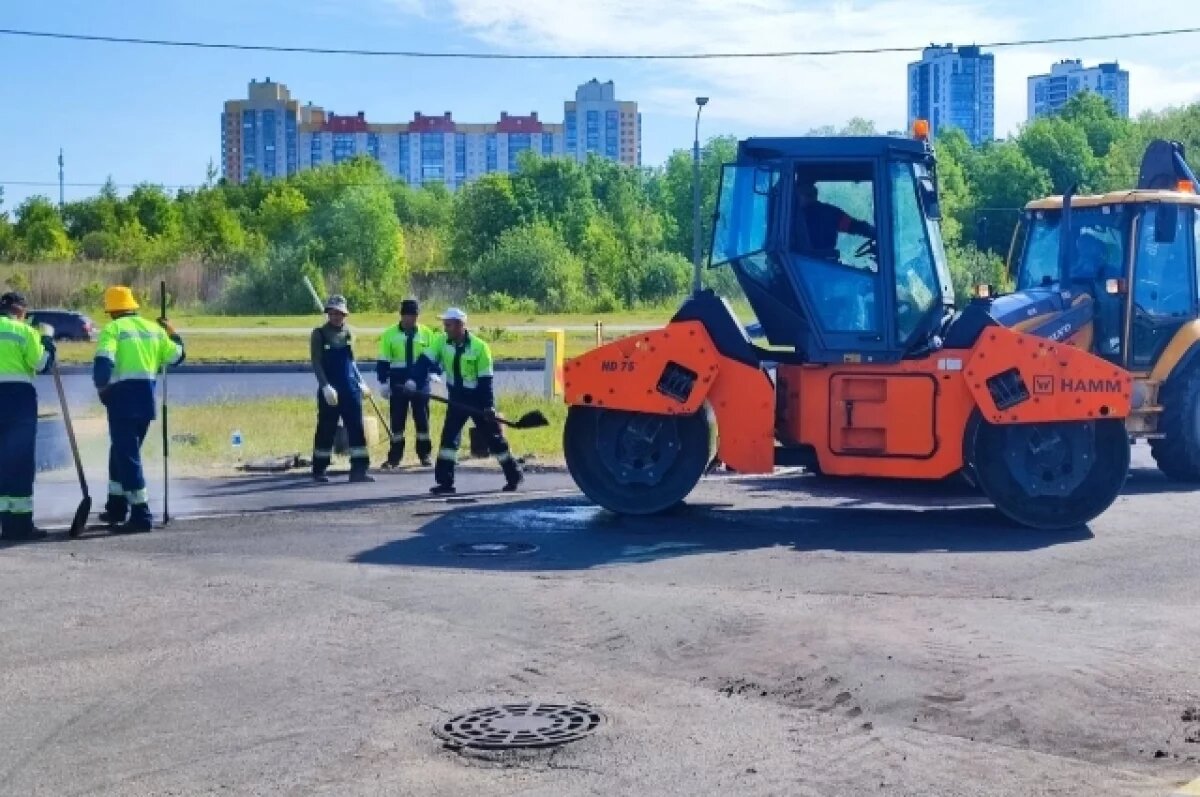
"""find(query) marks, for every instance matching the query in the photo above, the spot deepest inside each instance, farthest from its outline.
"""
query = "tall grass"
(80, 285)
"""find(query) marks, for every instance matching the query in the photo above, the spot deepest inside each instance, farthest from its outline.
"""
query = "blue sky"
(152, 114)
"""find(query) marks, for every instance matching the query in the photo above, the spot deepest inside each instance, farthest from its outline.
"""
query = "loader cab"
(1133, 253)
(836, 243)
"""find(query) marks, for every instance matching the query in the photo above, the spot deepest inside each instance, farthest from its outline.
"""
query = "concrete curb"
(286, 368)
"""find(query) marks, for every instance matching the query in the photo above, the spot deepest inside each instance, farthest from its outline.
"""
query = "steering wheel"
(869, 247)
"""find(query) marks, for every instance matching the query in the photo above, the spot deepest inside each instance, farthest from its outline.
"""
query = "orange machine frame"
(899, 420)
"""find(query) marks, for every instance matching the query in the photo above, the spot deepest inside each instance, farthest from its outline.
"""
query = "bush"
(532, 261)
(970, 267)
(99, 245)
(274, 284)
(664, 276)
(501, 303)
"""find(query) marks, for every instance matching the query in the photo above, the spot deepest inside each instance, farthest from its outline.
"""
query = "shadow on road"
(573, 535)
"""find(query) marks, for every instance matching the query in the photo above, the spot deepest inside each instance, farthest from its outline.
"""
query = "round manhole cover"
(490, 548)
(520, 725)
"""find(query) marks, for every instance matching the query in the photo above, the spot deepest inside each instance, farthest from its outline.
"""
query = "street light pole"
(700, 103)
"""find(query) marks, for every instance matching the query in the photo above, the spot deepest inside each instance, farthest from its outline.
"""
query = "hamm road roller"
(870, 370)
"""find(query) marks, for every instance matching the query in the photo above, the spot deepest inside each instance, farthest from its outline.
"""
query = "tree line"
(555, 235)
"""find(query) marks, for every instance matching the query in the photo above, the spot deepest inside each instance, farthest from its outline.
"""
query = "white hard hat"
(454, 314)
(338, 303)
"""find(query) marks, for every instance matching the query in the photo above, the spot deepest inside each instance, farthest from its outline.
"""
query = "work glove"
(168, 327)
(410, 386)
(330, 395)
(385, 392)
(435, 378)
(46, 331)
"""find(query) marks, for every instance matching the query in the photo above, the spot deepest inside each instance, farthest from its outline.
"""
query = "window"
(373, 145)
(492, 158)
(572, 134)
(517, 143)
(290, 139)
(917, 288)
(460, 157)
(402, 144)
(611, 132)
(433, 158)
(268, 137)
(743, 212)
(343, 147)
(547, 144)
(832, 225)
(593, 131)
(314, 149)
(1099, 250)
(1164, 273)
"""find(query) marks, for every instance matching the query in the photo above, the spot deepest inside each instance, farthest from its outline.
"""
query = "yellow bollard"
(556, 345)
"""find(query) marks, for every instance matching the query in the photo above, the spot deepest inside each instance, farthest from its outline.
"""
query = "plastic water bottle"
(235, 440)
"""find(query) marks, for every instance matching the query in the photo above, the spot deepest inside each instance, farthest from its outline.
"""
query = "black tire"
(593, 438)
(1092, 454)
(1178, 453)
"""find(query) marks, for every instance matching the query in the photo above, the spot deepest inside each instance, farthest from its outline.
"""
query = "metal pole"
(696, 254)
(61, 184)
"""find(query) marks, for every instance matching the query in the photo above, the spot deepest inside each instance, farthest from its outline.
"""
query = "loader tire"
(634, 463)
(1178, 452)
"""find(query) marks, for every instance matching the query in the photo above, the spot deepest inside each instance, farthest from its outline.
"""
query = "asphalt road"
(777, 636)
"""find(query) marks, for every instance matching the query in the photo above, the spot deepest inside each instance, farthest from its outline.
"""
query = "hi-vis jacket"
(130, 353)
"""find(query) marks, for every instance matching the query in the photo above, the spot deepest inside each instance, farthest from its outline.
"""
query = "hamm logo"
(1091, 386)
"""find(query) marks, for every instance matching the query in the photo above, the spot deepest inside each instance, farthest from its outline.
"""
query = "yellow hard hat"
(119, 299)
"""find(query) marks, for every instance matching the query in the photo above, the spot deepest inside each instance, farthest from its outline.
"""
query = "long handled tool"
(320, 309)
(166, 436)
(534, 419)
(79, 522)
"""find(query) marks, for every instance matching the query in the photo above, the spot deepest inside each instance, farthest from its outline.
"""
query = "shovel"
(534, 419)
(79, 522)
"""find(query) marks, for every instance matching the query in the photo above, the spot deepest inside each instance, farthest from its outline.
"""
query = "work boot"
(18, 527)
(512, 473)
(320, 478)
(140, 521)
(389, 464)
(361, 478)
(116, 509)
(424, 452)
(513, 483)
(426, 461)
(442, 489)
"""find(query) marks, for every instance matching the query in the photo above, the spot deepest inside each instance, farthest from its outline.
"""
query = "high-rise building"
(597, 123)
(274, 135)
(1049, 93)
(261, 133)
(954, 87)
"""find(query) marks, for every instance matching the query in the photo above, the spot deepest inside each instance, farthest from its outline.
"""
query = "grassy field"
(647, 317)
(294, 348)
(280, 427)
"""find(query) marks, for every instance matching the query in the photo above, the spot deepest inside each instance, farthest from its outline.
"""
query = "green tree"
(1060, 148)
(531, 261)
(1100, 122)
(483, 210)
(664, 276)
(39, 231)
(154, 210)
(359, 239)
(1002, 179)
(283, 214)
(214, 230)
(676, 193)
(554, 190)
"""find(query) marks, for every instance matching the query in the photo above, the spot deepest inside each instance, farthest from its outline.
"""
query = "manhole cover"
(490, 548)
(519, 725)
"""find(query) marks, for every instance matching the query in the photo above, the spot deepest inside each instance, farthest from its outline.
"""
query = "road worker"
(340, 393)
(399, 349)
(466, 362)
(823, 222)
(24, 352)
(130, 353)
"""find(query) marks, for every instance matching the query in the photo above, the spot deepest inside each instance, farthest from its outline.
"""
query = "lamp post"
(700, 103)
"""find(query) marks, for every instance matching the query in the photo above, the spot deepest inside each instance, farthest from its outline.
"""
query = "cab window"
(916, 281)
(1163, 276)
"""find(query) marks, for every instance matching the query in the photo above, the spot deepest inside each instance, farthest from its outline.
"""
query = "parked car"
(68, 324)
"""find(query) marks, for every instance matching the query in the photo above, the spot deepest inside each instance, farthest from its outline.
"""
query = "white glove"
(362, 387)
(329, 394)
(385, 392)
(435, 377)
(410, 386)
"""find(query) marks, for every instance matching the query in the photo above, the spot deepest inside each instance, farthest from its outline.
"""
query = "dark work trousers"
(447, 458)
(18, 437)
(349, 410)
(400, 405)
(126, 482)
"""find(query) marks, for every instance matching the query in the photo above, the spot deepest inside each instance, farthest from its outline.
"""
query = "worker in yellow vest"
(24, 352)
(130, 354)
(466, 361)
(399, 349)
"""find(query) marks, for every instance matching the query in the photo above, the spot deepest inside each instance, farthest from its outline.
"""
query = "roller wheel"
(1050, 475)
(635, 463)
(1178, 452)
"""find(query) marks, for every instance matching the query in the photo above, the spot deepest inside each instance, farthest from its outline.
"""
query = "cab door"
(1163, 292)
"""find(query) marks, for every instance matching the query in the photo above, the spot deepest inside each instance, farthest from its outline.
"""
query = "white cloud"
(794, 94)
